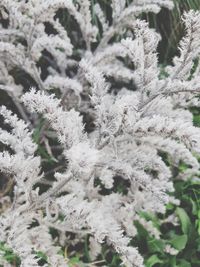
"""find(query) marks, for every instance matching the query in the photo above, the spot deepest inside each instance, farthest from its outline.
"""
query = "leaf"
(153, 260)
(142, 232)
(198, 244)
(183, 167)
(179, 242)
(184, 219)
(196, 120)
(155, 245)
(183, 263)
(194, 206)
(41, 255)
(75, 261)
(151, 217)
(172, 261)
(169, 206)
(8, 254)
(198, 226)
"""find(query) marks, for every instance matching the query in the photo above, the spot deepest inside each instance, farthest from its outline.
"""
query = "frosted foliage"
(107, 115)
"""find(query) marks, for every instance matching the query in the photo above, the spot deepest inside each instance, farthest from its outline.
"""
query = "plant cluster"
(101, 113)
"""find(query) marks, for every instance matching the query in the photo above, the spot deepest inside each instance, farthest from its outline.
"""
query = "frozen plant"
(132, 126)
(36, 50)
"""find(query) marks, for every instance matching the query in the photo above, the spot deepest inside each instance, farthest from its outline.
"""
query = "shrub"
(117, 116)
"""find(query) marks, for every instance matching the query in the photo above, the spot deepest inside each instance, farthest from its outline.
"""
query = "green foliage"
(75, 261)
(8, 255)
(153, 260)
(184, 237)
(184, 220)
(43, 259)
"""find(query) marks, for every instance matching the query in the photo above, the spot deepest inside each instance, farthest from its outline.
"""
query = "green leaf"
(41, 255)
(183, 263)
(73, 261)
(172, 261)
(179, 242)
(183, 167)
(155, 245)
(9, 255)
(198, 226)
(198, 244)
(150, 217)
(184, 219)
(196, 120)
(169, 206)
(153, 260)
(142, 232)
(194, 206)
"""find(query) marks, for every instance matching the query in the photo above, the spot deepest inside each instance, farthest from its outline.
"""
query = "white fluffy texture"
(64, 84)
(170, 250)
(95, 248)
(189, 47)
(82, 157)
(142, 52)
(130, 127)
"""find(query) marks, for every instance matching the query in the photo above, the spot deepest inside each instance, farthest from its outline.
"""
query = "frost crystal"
(111, 112)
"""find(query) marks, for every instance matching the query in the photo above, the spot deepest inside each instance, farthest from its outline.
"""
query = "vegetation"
(175, 238)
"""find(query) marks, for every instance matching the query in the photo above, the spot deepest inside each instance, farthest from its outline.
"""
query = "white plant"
(131, 125)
